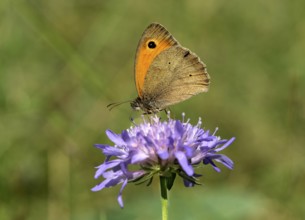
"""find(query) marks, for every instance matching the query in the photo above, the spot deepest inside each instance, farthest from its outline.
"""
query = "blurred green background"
(63, 61)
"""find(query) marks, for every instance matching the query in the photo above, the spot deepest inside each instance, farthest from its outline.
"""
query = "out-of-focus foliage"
(62, 62)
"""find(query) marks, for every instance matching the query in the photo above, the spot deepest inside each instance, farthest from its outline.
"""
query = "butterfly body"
(165, 72)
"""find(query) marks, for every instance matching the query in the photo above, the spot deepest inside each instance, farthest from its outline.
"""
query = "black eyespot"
(169, 62)
(190, 75)
(152, 44)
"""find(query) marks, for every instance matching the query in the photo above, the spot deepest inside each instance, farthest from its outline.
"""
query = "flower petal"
(106, 166)
(163, 154)
(125, 136)
(100, 186)
(139, 156)
(208, 160)
(120, 199)
(184, 163)
(101, 146)
(115, 138)
(179, 128)
(113, 179)
(111, 151)
(226, 144)
(226, 161)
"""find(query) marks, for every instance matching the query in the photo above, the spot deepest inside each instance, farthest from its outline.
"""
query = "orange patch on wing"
(144, 59)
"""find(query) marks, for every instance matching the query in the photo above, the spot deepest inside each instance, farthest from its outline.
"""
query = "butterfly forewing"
(154, 40)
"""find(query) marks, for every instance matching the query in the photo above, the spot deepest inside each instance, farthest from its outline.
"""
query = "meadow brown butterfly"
(165, 72)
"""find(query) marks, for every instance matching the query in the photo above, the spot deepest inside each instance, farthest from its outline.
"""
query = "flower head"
(165, 148)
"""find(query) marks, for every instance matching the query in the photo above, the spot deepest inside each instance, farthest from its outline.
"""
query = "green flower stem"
(164, 199)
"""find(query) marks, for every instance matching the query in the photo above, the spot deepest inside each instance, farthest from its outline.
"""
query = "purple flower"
(165, 148)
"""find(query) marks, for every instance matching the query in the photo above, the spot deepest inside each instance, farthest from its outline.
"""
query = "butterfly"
(165, 72)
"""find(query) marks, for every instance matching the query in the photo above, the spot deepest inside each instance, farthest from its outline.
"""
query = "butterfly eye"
(151, 44)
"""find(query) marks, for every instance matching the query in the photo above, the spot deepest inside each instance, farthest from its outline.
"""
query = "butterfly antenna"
(116, 104)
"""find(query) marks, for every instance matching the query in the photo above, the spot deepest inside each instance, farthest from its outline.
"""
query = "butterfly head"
(148, 107)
